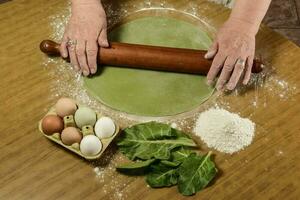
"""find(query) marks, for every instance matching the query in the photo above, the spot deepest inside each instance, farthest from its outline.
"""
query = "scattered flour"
(99, 172)
(112, 184)
(174, 125)
(224, 131)
(65, 82)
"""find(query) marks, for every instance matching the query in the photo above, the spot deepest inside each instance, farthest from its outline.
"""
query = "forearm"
(86, 6)
(78, 2)
(250, 13)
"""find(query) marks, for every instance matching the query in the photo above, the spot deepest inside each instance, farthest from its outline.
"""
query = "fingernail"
(209, 82)
(219, 88)
(85, 73)
(230, 87)
(105, 43)
(206, 55)
(64, 55)
(209, 55)
(93, 70)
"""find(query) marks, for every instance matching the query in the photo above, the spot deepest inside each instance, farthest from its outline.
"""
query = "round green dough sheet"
(146, 92)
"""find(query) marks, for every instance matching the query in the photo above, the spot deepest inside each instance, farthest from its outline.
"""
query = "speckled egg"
(90, 145)
(65, 107)
(71, 135)
(52, 124)
(105, 127)
(85, 116)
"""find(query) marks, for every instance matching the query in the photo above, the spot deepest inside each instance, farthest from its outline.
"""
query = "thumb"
(102, 39)
(212, 51)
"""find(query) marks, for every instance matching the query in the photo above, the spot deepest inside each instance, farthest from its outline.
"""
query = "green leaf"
(177, 157)
(180, 155)
(162, 175)
(170, 163)
(178, 133)
(136, 165)
(152, 140)
(195, 173)
(135, 168)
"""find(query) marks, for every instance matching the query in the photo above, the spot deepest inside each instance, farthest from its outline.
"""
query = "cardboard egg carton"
(86, 130)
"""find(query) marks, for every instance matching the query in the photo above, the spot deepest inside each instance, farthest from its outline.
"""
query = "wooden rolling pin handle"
(150, 57)
(50, 47)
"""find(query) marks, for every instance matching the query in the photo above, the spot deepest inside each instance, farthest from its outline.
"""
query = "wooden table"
(34, 168)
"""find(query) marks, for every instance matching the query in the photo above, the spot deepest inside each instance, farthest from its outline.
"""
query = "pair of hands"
(232, 51)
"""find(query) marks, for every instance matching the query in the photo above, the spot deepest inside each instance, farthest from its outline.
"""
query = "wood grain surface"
(34, 168)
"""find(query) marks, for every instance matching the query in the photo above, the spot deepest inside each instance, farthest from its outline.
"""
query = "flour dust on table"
(65, 82)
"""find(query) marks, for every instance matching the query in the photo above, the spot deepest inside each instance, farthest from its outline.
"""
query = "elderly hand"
(233, 52)
(86, 29)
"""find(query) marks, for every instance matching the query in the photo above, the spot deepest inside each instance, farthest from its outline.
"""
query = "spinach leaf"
(162, 175)
(166, 158)
(165, 173)
(170, 163)
(136, 165)
(180, 155)
(135, 168)
(152, 140)
(195, 173)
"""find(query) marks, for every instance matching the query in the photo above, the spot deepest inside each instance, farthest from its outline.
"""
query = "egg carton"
(75, 148)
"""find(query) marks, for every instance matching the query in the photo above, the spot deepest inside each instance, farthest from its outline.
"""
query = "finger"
(215, 67)
(63, 47)
(81, 57)
(226, 72)
(102, 39)
(212, 51)
(91, 52)
(73, 57)
(236, 74)
(249, 65)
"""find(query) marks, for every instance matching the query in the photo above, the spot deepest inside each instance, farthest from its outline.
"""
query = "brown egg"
(70, 135)
(52, 124)
(65, 107)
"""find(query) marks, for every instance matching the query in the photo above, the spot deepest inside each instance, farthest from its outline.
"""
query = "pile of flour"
(224, 131)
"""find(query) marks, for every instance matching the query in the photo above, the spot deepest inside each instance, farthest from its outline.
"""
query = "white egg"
(105, 127)
(90, 145)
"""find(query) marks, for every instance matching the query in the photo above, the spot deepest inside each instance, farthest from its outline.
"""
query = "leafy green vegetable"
(195, 173)
(135, 165)
(165, 156)
(180, 155)
(170, 163)
(152, 140)
(162, 175)
(135, 168)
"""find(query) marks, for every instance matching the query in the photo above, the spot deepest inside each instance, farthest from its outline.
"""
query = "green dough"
(152, 93)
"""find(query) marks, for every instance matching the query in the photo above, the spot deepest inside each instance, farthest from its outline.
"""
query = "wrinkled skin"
(231, 45)
(88, 27)
(232, 51)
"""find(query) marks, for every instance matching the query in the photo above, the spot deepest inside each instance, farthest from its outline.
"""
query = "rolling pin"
(149, 57)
